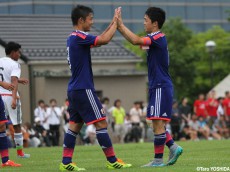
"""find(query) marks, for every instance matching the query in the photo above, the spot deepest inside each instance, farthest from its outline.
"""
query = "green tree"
(220, 59)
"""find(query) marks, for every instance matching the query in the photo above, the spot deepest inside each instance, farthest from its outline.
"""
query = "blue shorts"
(3, 118)
(160, 103)
(84, 106)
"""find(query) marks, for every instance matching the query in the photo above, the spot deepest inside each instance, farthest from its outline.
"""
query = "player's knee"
(76, 127)
(17, 128)
(100, 124)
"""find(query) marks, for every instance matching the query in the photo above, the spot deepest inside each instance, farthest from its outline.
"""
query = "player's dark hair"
(78, 12)
(226, 93)
(156, 14)
(12, 46)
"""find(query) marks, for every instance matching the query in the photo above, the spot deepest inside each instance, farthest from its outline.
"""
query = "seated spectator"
(31, 136)
(194, 127)
(90, 135)
(220, 126)
(203, 129)
(42, 133)
(188, 134)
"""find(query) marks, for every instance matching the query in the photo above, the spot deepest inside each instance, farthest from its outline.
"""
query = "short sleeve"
(16, 70)
(85, 39)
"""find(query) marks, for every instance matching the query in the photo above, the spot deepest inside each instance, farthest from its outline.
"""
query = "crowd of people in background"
(207, 119)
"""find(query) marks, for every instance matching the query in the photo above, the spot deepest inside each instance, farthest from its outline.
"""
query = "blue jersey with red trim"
(79, 59)
(158, 61)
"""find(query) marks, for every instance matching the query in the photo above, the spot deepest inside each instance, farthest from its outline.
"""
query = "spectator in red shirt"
(211, 107)
(226, 105)
(199, 106)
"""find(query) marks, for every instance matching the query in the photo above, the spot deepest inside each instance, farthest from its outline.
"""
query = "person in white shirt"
(135, 117)
(40, 112)
(54, 119)
(10, 71)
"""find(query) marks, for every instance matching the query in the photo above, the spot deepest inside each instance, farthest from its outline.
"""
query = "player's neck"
(80, 28)
(155, 30)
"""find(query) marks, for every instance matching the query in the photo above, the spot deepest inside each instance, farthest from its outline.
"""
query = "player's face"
(148, 25)
(88, 22)
(16, 54)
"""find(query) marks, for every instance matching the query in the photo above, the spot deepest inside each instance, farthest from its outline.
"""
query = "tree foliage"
(189, 61)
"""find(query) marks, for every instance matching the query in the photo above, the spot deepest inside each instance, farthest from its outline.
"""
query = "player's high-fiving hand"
(120, 22)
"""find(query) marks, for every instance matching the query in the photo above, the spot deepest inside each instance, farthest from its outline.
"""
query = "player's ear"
(80, 20)
(155, 23)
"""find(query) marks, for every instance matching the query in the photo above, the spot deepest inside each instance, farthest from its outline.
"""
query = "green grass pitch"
(196, 154)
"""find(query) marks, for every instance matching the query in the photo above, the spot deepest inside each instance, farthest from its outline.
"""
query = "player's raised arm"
(128, 34)
(107, 35)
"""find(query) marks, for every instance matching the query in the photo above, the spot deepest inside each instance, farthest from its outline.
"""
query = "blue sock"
(159, 144)
(106, 144)
(4, 147)
(68, 146)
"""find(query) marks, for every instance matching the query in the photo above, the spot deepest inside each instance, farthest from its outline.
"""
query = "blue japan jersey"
(79, 59)
(158, 61)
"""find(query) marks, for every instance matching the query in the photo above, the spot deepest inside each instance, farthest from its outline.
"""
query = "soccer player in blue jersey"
(160, 84)
(3, 137)
(84, 105)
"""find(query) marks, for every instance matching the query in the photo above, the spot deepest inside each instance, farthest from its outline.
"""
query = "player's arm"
(23, 81)
(129, 35)
(7, 86)
(107, 35)
(14, 81)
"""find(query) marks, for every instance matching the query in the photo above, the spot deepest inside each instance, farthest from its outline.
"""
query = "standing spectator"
(199, 106)
(105, 104)
(212, 106)
(54, 115)
(220, 109)
(185, 110)
(119, 119)
(40, 112)
(135, 117)
(175, 121)
(65, 115)
(226, 105)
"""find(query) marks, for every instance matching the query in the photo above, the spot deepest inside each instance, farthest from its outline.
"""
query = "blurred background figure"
(65, 115)
(54, 119)
(135, 118)
(40, 112)
(119, 119)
